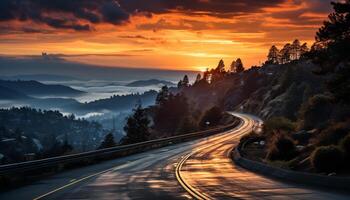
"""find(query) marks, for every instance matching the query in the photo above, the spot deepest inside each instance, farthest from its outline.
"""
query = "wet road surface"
(202, 165)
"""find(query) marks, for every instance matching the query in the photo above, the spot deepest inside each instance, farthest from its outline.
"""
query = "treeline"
(313, 132)
(27, 134)
(172, 114)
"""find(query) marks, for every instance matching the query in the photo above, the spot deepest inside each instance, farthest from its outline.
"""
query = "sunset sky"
(171, 34)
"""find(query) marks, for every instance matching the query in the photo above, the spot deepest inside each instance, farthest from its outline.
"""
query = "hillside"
(9, 94)
(119, 103)
(302, 97)
(35, 88)
(267, 91)
(26, 131)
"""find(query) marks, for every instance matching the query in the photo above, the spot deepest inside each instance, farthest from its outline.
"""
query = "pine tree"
(108, 141)
(185, 81)
(285, 54)
(163, 95)
(233, 66)
(304, 49)
(239, 66)
(137, 126)
(198, 78)
(273, 56)
(295, 50)
(179, 84)
(221, 66)
(211, 117)
(333, 38)
(337, 28)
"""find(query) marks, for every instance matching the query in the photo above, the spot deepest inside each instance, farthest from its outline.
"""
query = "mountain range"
(143, 83)
(35, 88)
(29, 65)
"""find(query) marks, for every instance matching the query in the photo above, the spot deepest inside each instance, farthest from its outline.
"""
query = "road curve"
(198, 169)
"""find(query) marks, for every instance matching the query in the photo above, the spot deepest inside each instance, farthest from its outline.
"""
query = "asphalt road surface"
(199, 169)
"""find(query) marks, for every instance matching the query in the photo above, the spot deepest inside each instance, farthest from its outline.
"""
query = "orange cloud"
(172, 36)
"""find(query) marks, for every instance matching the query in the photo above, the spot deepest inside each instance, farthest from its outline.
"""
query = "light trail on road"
(202, 166)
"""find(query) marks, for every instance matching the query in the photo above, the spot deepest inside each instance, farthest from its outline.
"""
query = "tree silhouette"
(333, 38)
(221, 66)
(332, 47)
(169, 115)
(185, 81)
(274, 55)
(163, 95)
(211, 117)
(198, 78)
(108, 142)
(137, 126)
(233, 66)
(285, 53)
(239, 66)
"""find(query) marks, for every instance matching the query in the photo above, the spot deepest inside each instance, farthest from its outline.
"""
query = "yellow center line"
(191, 190)
(75, 181)
(72, 183)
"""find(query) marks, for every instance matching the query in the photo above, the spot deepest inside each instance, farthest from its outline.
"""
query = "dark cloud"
(221, 8)
(81, 15)
(64, 14)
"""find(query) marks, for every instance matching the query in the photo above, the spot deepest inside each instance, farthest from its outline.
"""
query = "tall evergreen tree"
(169, 115)
(274, 55)
(137, 126)
(239, 66)
(333, 38)
(221, 66)
(304, 49)
(333, 47)
(108, 142)
(163, 95)
(285, 53)
(185, 81)
(179, 84)
(337, 28)
(233, 66)
(198, 78)
(211, 117)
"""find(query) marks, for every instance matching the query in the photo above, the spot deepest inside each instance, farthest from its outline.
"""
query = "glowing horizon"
(178, 37)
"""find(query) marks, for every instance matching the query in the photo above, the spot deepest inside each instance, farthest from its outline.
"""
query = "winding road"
(200, 169)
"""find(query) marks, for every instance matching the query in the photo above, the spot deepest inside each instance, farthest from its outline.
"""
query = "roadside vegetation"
(312, 133)
(173, 114)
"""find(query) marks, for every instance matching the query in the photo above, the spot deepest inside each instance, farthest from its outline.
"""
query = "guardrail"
(335, 182)
(37, 167)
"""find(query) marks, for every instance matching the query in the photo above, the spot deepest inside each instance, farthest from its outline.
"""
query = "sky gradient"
(169, 34)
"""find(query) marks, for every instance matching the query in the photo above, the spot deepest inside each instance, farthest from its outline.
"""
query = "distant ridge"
(35, 88)
(10, 94)
(149, 83)
(11, 66)
(39, 77)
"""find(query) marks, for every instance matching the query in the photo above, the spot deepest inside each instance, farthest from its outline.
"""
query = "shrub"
(212, 117)
(327, 159)
(345, 145)
(315, 113)
(279, 124)
(250, 136)
(282, 147)
(187, 125)
(333, 134)
(108, 142)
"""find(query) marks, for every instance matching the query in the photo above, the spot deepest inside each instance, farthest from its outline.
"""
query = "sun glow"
(172, 40)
